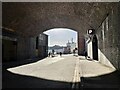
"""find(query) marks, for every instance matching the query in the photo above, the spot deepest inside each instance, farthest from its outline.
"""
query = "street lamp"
(91, 31)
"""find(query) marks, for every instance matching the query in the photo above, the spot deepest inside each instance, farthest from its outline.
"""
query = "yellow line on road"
(76, 78)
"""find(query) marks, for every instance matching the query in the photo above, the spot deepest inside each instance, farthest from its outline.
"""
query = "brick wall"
(81, 44)
(108, 39)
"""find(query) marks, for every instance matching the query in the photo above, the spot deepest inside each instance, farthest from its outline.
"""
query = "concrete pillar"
(90, 49)
(81, 44)
(32, 48)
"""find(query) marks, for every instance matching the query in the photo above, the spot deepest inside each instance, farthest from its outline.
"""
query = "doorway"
(95, 47)
(9, 50)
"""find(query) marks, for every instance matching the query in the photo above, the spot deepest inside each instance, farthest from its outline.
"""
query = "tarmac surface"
(56, 72)
(59, 72)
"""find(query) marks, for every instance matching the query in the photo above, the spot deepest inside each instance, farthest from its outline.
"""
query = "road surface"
(67, 71)
(56, 72)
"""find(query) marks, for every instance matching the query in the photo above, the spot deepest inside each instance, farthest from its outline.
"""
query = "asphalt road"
(56, 72)
(60, 72)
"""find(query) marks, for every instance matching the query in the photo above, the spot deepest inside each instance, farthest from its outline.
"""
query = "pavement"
(60, 72)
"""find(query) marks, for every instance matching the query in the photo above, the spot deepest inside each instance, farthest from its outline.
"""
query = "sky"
(60, 36)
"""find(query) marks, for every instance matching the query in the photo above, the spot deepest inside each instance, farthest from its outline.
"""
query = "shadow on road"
(10, 80)
(111, 80)
(11, 64)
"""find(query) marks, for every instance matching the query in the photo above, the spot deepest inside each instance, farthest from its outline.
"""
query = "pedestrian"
(49, 54)
(60, 53)
(53, 51)
(74, 52)
(86, 55)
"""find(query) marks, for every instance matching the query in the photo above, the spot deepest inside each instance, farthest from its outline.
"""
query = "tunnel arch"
(52, 28)
(61, 36)
(33, 17)
(59, 33)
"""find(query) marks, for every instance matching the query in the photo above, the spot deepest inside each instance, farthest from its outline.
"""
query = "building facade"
(18, 47)
(42, 45)
(70, 47)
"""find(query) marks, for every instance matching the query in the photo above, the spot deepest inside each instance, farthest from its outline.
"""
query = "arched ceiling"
(32, 18)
